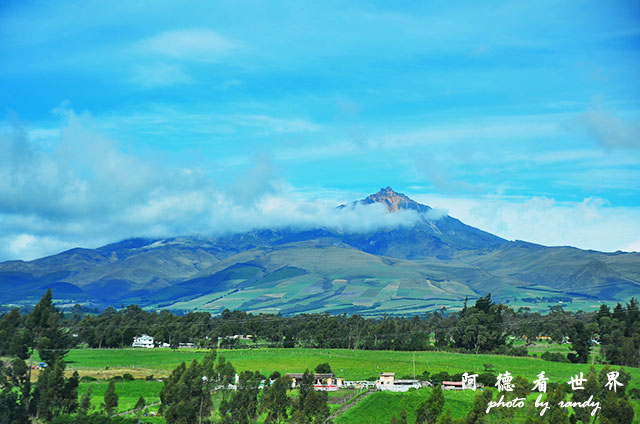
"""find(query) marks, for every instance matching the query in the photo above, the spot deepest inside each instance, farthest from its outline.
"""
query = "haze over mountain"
(420, 264)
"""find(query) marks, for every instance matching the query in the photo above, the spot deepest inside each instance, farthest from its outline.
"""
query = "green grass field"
(381, 407)
(128, 392)
(349, 364)
(352, 365)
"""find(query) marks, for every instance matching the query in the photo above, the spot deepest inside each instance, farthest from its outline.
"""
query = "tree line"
(186, 395)
(484, 327)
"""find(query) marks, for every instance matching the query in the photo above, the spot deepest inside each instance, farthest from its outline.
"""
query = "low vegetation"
(91, 385)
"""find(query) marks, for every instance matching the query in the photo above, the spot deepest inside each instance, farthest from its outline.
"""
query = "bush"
(487, 379)
(554, 357)
(149, 377)
(127, 376)
(323, 368)
(440, 377)
(518, 351)
(87, 379)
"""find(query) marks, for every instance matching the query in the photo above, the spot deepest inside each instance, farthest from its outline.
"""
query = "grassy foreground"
(352, 365)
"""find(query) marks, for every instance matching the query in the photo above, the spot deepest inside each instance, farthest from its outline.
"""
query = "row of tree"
(187, 396)
(53, 394)
(484, 327)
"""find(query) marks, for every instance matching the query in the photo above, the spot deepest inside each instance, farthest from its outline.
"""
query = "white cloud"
(198, 44)
(84, 190)
(632, 247)
(20, 243)
(87, 192)
(589, 224)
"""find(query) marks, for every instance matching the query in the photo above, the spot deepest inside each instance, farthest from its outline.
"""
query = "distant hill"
(402, 270)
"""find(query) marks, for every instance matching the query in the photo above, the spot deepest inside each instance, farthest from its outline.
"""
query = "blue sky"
(163, 118)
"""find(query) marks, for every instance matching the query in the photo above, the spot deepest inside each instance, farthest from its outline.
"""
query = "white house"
(143, 341)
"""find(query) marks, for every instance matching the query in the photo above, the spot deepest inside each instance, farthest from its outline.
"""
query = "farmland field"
(350, 364)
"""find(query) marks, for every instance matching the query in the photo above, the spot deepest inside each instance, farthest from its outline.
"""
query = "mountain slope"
(402, 270)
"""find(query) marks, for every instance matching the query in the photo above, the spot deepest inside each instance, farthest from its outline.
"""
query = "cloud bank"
(590, 223)
(84, 190)
(74, 186)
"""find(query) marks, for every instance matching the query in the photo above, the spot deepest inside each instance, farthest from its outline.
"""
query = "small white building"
(143, 341)
(388, 382)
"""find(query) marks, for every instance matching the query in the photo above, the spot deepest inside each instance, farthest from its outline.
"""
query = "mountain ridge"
(397, 270)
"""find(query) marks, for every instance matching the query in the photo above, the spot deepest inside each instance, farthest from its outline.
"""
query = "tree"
(616, 408)
(54, 394)
(242, 407)
(305, 388)
(591, 388)
(274, 401)
(85, 402)
(140, 403)
(186, 395)
(46, 332)
(311, 406)
(323, 368)
(316, 407)
(431, 408)
(139, 407)
(110, 398)
(446, 418)
(580, 338)
(477, 414)
(479, 328)
(13, 387)
(556, 414)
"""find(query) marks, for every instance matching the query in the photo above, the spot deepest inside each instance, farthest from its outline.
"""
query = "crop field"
(383, 406)
(128, 392)
(350, 364)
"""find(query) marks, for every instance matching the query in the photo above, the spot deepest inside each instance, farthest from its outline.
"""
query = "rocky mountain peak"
(393, 200)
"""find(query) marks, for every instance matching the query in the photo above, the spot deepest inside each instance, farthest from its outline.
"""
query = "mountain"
(435, 261)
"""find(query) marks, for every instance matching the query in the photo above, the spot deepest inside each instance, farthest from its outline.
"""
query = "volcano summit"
(407, 269)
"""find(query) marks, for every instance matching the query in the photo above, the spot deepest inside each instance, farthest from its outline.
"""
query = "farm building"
(143, 341)
(324, 382)
(452, 385)
(388, 382)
